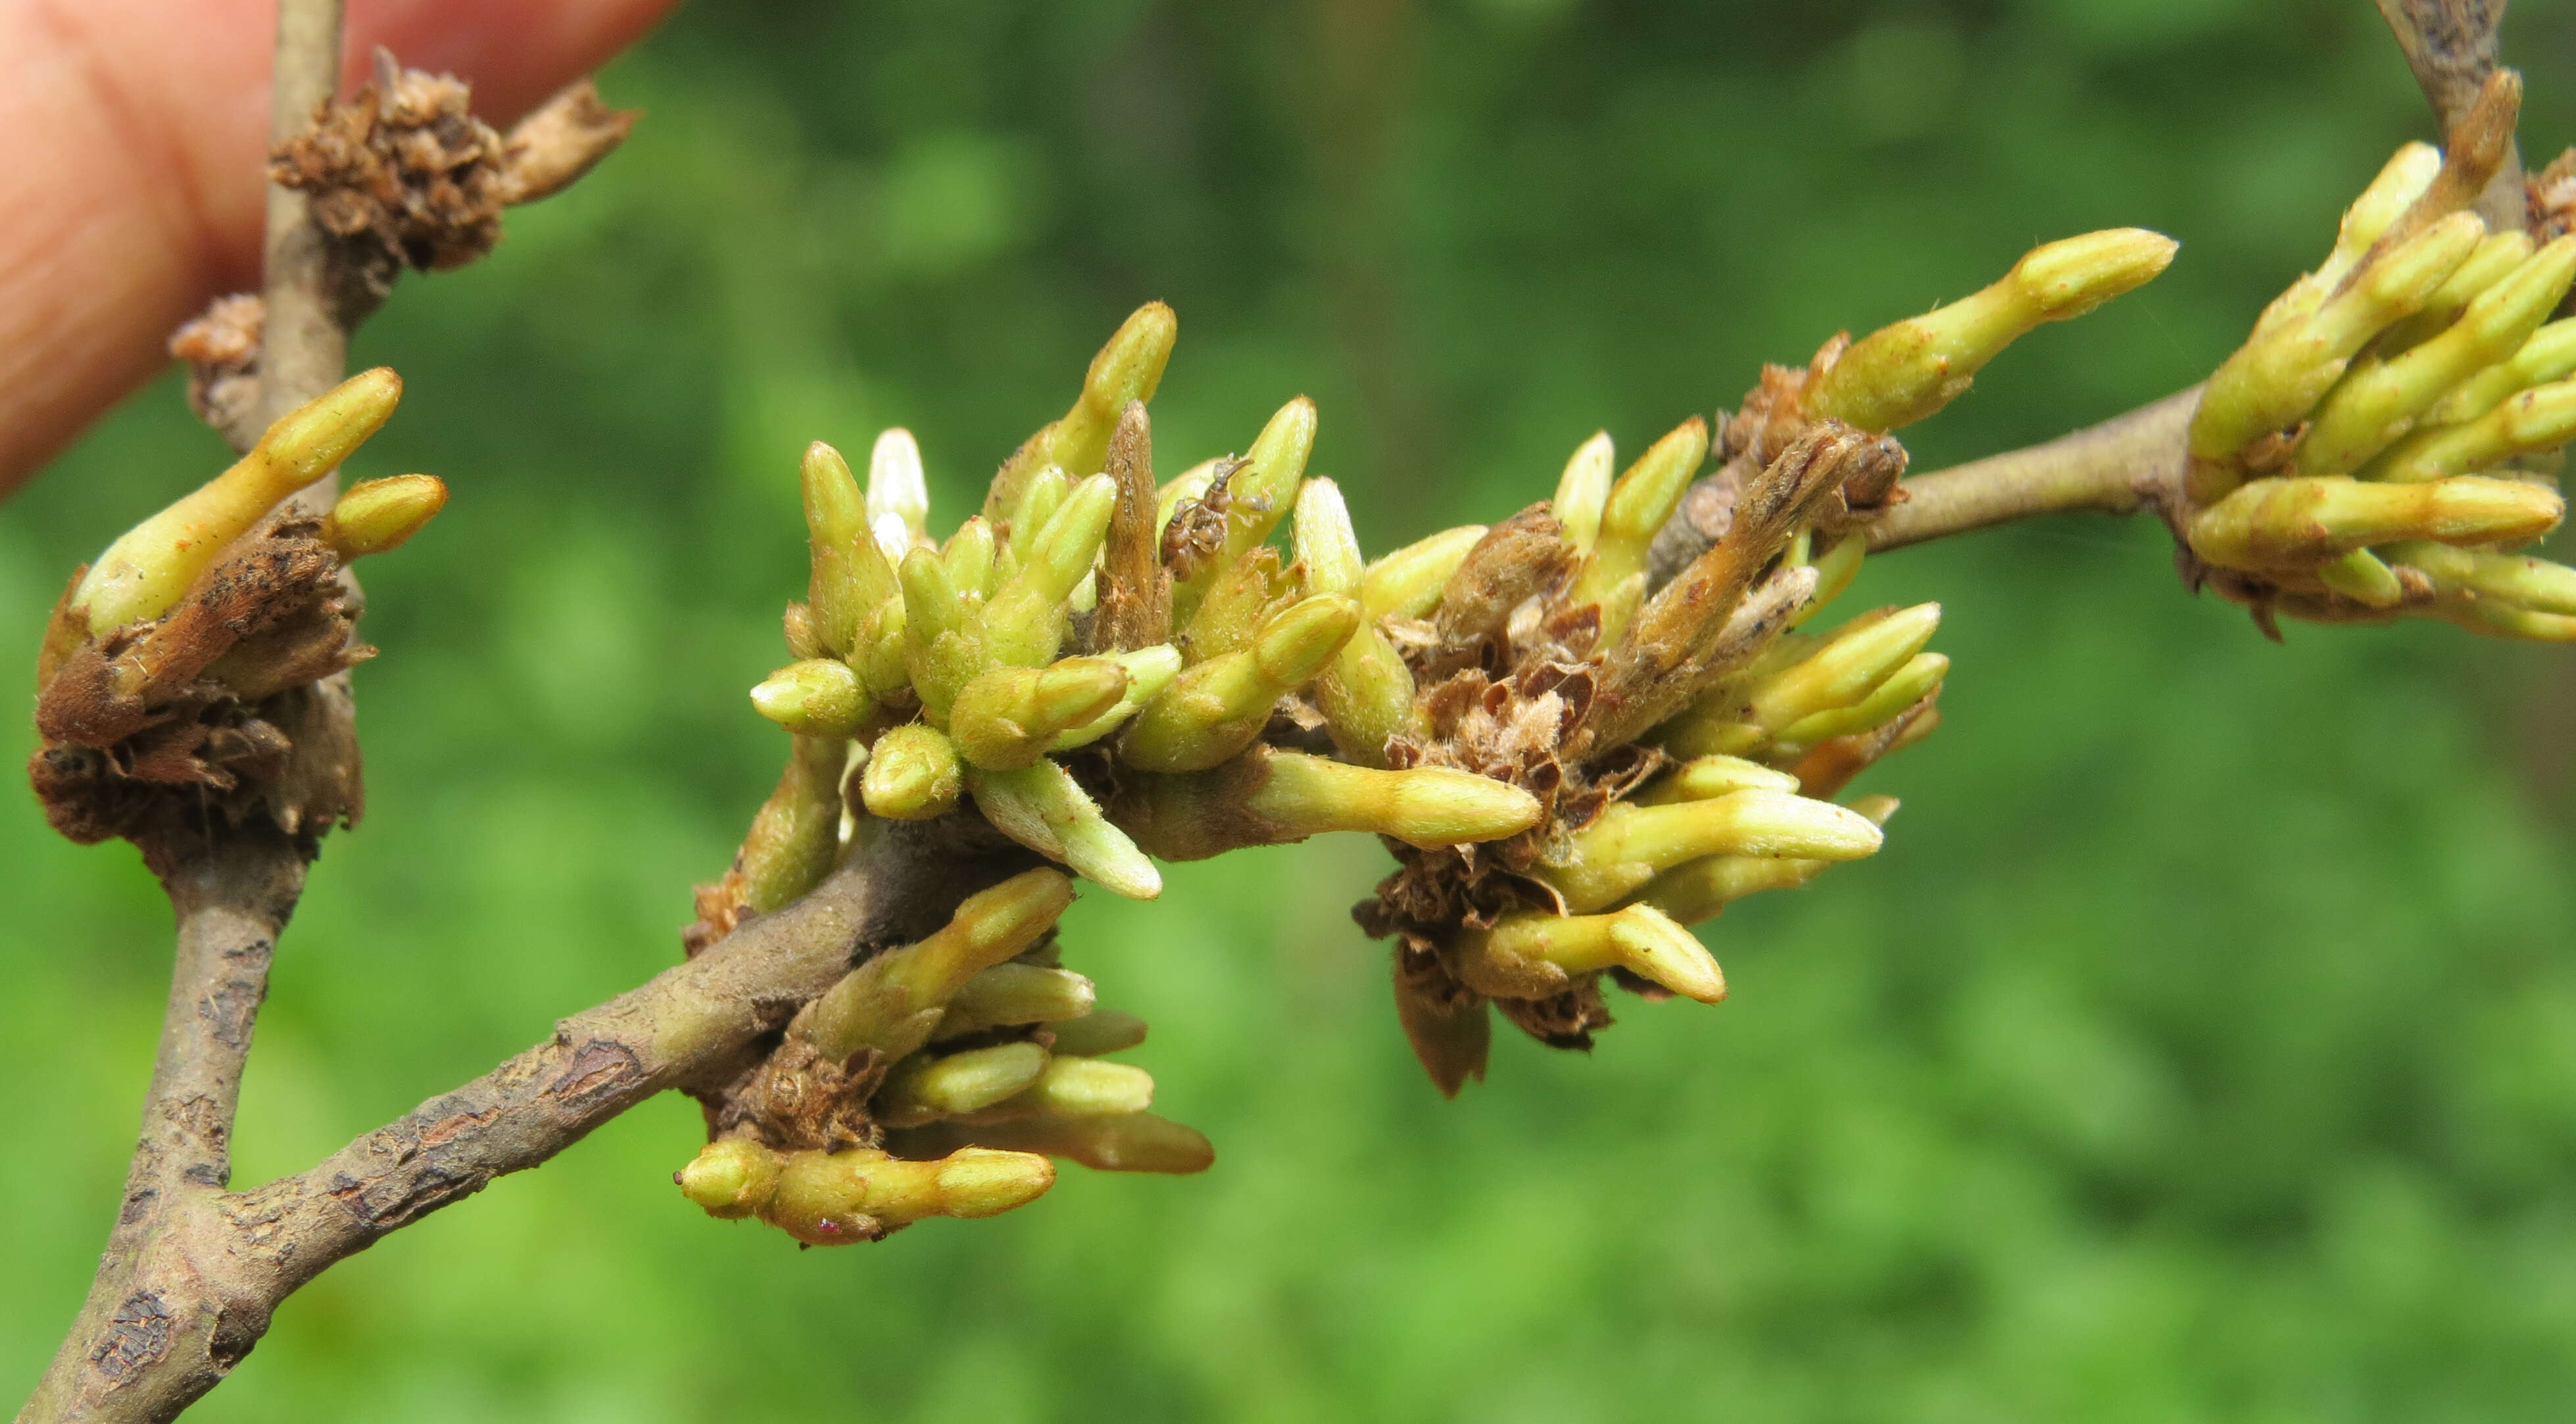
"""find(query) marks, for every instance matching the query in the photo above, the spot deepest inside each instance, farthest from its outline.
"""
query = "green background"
(2203, 1044)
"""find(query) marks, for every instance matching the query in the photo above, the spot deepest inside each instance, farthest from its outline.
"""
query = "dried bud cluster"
(2381, 446)
(179, 672)
(1576, 730)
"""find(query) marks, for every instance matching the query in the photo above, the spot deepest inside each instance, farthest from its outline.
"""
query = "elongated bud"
(380, 516)
(1901, 373)
(2495, 258)
(1038, 503)
(840, 1198)
(942, 645)
(2276, 378)
(1407, 583)
(2549, 355)
(2497, 619)
(2300, 523)
(1043, 808)
(1263, 491)
(1919, 678)
(1271, 797)
(1098, 1032)
(1366, 692)
(1534, 956)
(1213, 711)
(1138, 1142)
(923, 1088)
(1708, 777)
(1325, 542)
(1079, 1087)
(1702, 888)
(898, 493)
(819, 697)
(1015, 994)
(796, 834)
(1024, 623)
(1149, 671)
(851, 578)
(1835, 570)
(969, 556)
(143, 573)
(1843, 669)
(2535, 420)
(2536, 584)
(2405, 177)
(1630, 845)
(2377, 402)
(1583, 489)
(894, 1001)
(1127, 369)
(1008, 717)
(1634, 512)
(913, 774)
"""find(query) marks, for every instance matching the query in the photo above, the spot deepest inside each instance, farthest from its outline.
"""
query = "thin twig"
(2451, 45)
(2125, 464)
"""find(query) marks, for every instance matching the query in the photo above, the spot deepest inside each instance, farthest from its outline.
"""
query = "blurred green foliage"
(2202, 1046)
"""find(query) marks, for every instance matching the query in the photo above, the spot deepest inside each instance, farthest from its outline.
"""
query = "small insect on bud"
(893, 1002)
(1630, 845)
(1260, 493)
(380, 516)
(1043, 808)
(2301, 523)
(912, 774)
(1015, 994)
(819, 697)
(924, 1088)
(143, 573)
(1535, 956)
(1902, 373)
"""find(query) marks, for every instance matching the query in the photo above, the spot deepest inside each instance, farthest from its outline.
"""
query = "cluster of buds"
(182, 670)
(1578, 731)
(2383, 445)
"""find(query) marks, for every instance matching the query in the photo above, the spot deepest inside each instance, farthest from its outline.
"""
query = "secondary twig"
(2127, 463)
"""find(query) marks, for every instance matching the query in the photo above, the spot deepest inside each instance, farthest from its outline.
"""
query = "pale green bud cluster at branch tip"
(2383, 444)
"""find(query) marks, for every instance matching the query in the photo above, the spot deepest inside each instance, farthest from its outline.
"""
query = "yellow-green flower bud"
(1213, 711)
(943, 645)
(968, 556)
(380, 516)
(1272, 797)
(923, 1088)
(851, 578)
(1098, 1032)
(1630, 844)
(898, 497)
(1366, 692)
(1076, 1088)
(1015, 994)
(2301, 523)
(1138, 1142)
(2361, 576)
(1043, 808)
(2499, 255)
(893, 1002)
(1701, 889)
(1008, 717)
(1636, 509)
(1025, 620)
(1901, 373)
(1263, 491)
(730, 1179)
(1534, 956)
(1835, 570)
(2276, 378)
(2543, 418)
(819, 697)
(2525, 582)
(1919, 678)
(913, 774)
(2404, 178)
(796, 834)
(144, 573)
(1408, 582)
(1038, 503)
(2504, 620)
(1127, 369)
(1709, 777)
(837, 1198)
(1149, 671)
(2549, 355)
(1582, 491)
(2377, 401)
(1843, 669)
